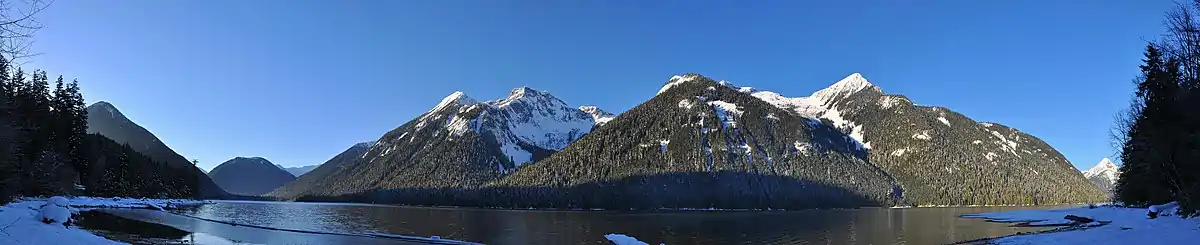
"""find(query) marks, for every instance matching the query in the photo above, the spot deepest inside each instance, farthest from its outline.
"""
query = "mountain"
(700, 144)
(249, 176)
(462, 143)
(298, 171)
(316, 178)
(600, 116)
(939, 156)
(106, 120)
(700, 141)
(1103, 175)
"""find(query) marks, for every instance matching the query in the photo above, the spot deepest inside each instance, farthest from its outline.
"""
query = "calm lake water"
(843, 226)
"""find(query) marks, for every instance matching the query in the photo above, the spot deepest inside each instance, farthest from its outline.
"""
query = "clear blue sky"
(299, 81)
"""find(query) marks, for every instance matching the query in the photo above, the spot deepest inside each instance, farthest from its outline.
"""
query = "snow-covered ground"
(620, 239)
(20, 221)
(1113, 225)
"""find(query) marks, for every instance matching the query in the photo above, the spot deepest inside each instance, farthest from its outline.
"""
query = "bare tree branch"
(18, 26)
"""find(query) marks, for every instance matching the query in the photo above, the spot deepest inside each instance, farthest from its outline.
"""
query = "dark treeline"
(673, 190)
(1160, 134)
(46, 149)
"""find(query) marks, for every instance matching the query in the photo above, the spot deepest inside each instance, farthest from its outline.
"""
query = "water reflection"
(844, 226)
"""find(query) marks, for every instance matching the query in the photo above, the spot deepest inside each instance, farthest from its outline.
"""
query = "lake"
(831, 226)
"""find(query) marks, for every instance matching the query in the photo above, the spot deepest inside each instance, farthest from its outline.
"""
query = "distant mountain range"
(249, 176)
(298, 171)
(106, 120)
(1103, 175)
(699, 143)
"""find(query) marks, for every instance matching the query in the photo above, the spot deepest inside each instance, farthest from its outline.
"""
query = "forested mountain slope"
(700, 144)
(941, 157)
(105, 119)
(317, 177)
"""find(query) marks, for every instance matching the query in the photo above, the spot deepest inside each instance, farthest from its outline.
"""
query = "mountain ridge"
(249, 176)
(532, 150)
(105, 119)
(933, 134)
(459, 142)
(1104, 174)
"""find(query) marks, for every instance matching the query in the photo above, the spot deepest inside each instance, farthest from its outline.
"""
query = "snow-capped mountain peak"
(540, 119)
(1104, 175)
(456, 98)
(525, 119)
(1105, 168)
(528, 97)
(845, 87)
(600, 116)
(819, 104)
(678, 79)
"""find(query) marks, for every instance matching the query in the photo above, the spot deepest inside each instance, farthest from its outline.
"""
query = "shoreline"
(654, 209)
(1108, 225)
(23, 225)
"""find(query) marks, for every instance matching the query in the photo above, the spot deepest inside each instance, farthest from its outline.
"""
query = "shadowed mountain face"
(106, 120)
(317, 178)
(249, 176)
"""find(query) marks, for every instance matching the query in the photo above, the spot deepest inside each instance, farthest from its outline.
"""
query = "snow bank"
(55, 211)
(20, 224)
(122, 202)
(21, 221)
(620, 239)
(1128, 226)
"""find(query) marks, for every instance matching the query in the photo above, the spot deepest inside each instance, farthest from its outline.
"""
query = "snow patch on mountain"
(456, 98)
(525, 118)
(815, 106)
(1005, 143)
(600, 116)
(726, 112)
(677, 80)
(686, 104)
(923, 135)
(944, 121)
(887, 102)
(515, 153)
(540, 119)
(803, 106)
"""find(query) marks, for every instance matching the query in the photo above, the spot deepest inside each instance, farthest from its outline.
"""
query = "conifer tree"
(9, 178)
(76, 128)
